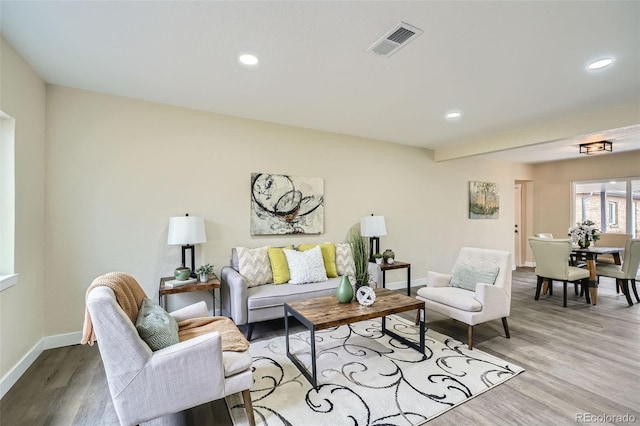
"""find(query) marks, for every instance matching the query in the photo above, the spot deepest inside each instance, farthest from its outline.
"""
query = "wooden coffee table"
(325, 312)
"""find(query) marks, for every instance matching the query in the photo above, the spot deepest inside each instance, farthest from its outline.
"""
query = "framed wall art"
(484, 200)
(283, 204)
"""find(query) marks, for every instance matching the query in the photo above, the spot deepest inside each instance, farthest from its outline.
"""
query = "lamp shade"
(186, 230)
(372, 226)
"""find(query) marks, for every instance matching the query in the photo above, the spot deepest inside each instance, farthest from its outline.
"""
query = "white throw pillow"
(306, 266)
(254, 265)
(344, 260)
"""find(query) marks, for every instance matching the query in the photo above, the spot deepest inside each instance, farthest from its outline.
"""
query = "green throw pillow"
(156, 327)
(279, 265)
(466, 277)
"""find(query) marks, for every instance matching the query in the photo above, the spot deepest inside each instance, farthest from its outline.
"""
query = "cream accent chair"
(488, 302)
(156, 387)
(610, 239)
(552, 264)
(625, 272)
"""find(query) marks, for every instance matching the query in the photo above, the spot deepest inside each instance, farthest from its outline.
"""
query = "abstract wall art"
(484, 200)
(282, 204)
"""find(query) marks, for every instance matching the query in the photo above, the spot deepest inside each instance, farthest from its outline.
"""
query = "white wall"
(22, 305)
(552, 194)
(117, 169)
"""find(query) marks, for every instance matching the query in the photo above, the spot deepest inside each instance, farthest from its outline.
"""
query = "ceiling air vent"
(395, 39)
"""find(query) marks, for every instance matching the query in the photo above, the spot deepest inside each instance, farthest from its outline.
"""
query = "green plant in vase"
(204, 271)
(360, 252)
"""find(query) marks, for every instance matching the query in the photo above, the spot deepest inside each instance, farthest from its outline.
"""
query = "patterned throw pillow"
(466, 277)
(155, 326)
(328, 256)
(254, 265)
(344, 260)
(306, 266)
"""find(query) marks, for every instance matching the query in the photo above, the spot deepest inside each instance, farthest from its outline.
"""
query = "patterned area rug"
(366, 378)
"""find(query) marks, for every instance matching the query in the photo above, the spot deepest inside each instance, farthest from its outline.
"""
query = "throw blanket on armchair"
(129, 296)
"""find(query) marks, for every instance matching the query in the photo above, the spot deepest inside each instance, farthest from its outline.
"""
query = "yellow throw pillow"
(279, 265)
(328, 257)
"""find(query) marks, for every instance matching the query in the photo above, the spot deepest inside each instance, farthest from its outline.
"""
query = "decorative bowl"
(182, 274)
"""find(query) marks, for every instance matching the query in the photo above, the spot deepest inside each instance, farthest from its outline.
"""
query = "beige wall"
(117, 169)
(22, 96)
(552, 193)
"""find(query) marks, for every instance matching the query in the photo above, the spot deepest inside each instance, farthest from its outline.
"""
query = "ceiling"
(507, 65)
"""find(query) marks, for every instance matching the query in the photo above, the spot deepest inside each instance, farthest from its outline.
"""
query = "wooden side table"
(212, 284)
(384, 267)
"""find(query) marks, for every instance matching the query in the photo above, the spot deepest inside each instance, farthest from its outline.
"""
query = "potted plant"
(378, 258)
(360, 252)
(204, 271)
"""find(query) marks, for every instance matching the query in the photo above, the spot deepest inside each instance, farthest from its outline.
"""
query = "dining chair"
(552, 264)
(626, 272)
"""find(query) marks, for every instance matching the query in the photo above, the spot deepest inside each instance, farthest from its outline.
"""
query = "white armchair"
(156, 387)
(489, 300)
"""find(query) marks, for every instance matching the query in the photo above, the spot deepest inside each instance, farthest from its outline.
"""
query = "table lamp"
(187, 231)
(373, 227)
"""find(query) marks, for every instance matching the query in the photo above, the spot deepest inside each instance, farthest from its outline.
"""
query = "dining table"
(590, 255)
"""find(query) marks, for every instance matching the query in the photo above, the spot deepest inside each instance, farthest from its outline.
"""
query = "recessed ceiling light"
(248, 59)
(453, 115)
(600, 63)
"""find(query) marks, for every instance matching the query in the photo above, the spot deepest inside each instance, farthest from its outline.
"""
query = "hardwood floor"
(579, 359)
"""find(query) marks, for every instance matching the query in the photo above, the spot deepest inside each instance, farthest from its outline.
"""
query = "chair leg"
(575, 288)
(250, 330)
(470, 337)
(564, 299)
(538, 287)
(246, 395)
(635, 290)
(506, 327)
(624, 284)
(585, 290)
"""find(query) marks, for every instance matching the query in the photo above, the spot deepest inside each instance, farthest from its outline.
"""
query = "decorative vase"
(182, 273)
(379, 260)
(584, 243)
(344, 292)
(204, 278)
(389, 254)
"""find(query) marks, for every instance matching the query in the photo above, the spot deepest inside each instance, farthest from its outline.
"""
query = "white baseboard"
(402, 285)
(530, 264)
(49, 342)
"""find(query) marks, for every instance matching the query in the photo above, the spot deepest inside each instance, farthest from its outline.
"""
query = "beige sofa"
(247, 304)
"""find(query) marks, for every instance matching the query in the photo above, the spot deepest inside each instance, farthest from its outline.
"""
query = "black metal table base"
(312, 376)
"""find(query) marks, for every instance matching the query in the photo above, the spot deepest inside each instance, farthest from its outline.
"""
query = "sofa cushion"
(344, 260)
(306, 266)
(279, 265)
(254, 265)
(451, 296)
(328, 257)
(466, 276)
(155, 326)
(267, 296)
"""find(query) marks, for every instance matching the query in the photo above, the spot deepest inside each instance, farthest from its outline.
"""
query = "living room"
(98, 175)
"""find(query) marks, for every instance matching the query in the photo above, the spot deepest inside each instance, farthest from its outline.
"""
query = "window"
(612, 204)
(612, 213)
(7, 201)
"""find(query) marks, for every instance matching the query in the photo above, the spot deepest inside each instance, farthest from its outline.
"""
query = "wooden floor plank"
(578, 359)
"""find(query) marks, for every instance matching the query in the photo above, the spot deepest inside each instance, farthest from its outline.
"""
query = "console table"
(212, 284)
(384, 267)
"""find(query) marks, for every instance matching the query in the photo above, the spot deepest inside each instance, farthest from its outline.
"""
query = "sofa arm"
(196, 310)
(233, 295)
(375, 275)
(436, 279)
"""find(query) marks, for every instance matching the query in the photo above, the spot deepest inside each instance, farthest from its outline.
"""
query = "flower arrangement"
(584, 233)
